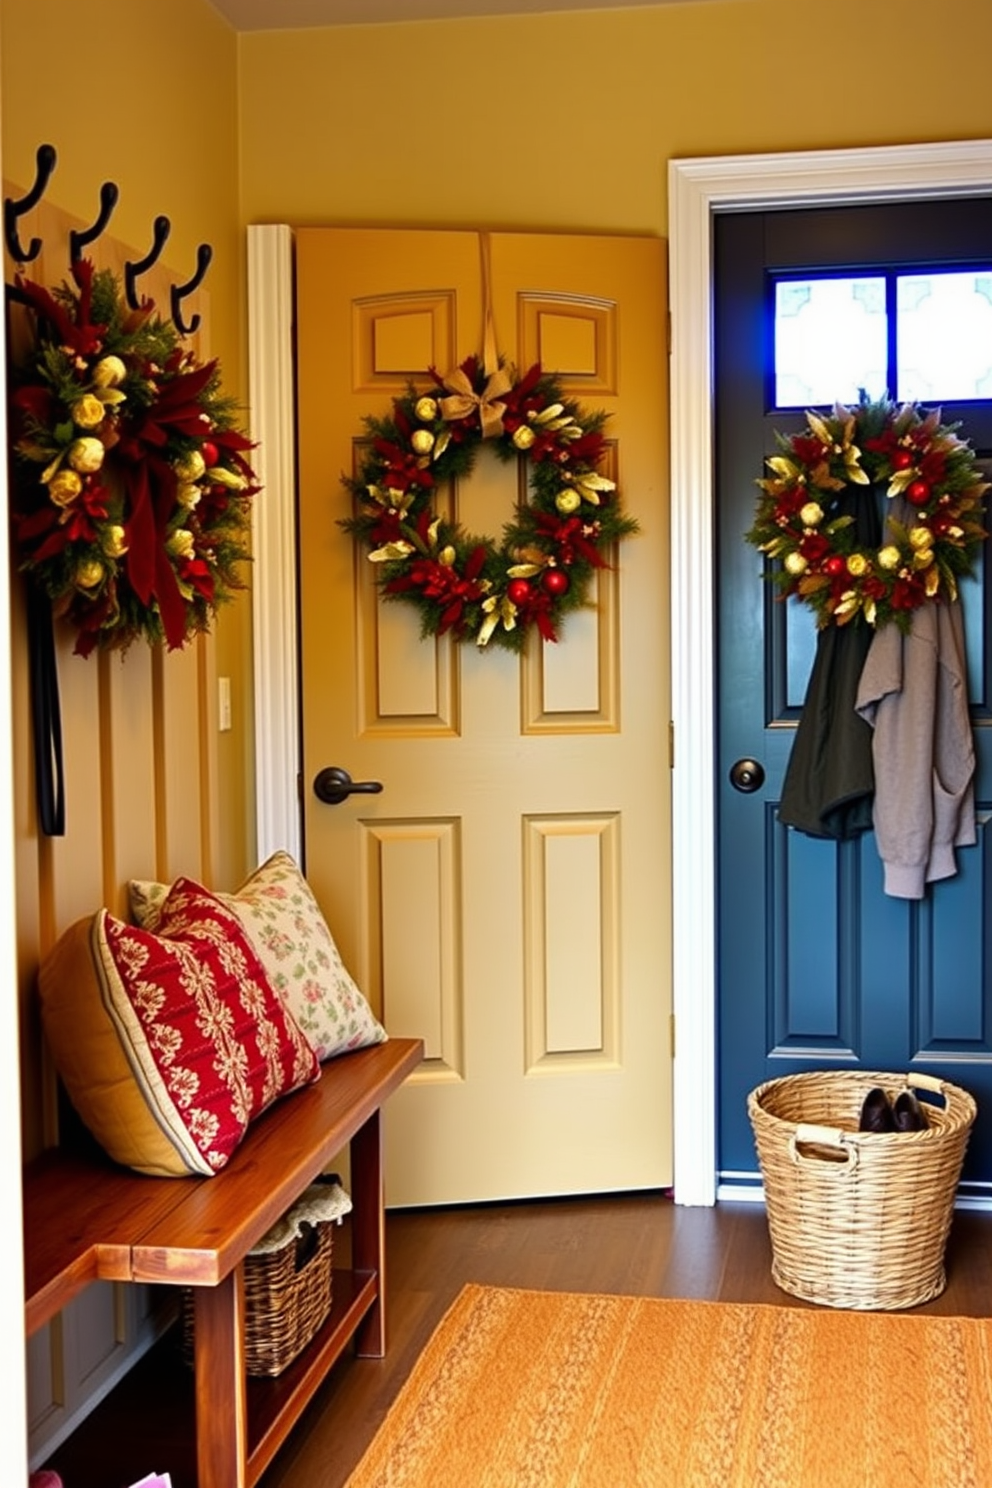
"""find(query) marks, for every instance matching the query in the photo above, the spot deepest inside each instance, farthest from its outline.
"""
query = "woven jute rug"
(521, 1389)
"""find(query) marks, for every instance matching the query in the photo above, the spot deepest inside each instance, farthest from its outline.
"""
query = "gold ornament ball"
(180, 544)
(113, 541)
(422, 441)
(426, 410)
(86, 454)
(187, 496)
(524, 437)
(191, 466)
(89, 574)
(64, 487)
(109, 372)
(88, 412)
(568, 500)
(889, 557)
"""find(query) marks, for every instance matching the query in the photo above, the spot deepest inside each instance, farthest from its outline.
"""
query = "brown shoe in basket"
(876, 1112)
(908, 1114)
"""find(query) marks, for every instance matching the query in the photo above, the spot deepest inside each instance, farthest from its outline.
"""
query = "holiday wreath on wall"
(823, 478)
(481, 588)
(131, 483)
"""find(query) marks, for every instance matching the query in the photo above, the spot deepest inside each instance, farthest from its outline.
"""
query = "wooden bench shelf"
(86, 1220)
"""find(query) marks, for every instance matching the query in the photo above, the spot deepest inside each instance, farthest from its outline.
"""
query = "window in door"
(924, 336)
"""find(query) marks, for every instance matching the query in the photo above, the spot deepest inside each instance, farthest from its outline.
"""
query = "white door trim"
(271, 391)
(699, 188)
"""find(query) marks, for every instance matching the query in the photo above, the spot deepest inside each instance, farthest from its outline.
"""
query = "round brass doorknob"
(747, 775)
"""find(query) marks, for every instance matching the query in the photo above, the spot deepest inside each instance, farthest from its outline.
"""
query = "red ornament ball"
(555, 580)
(902, 459)
(518, 591)
(918, 492)
(835, 565)
(210, 454)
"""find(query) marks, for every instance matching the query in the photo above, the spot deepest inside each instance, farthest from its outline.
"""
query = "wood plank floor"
(638, 1244)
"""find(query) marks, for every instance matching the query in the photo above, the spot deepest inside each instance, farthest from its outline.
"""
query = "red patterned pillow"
(170, 1043)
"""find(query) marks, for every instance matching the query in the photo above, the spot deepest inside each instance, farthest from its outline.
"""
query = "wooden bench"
(86, 1220)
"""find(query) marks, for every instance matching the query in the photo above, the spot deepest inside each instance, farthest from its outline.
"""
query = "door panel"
(818, 968)
(505, 896)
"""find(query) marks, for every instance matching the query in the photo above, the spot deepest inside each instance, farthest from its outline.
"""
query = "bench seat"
(87, 1220)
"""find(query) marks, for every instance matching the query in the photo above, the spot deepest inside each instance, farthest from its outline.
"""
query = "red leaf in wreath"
(450, 617)
(537, 609)
(516, 398)
(814, 546)
(234, 441)
(35, 523)
(570, 538)
(37, 401)
(933, 466)
(79, 528)
(140, 533)
(589, 447)
(90, 622)
(423, 525)
(177, 408)
(196, 572)
(386, 529)
(172, 606)
(76, 333)
(907, 594)
(55, 543)
(403, 470)
(807, 449)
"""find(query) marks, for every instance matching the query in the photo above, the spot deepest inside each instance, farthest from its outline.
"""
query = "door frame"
(698, 188)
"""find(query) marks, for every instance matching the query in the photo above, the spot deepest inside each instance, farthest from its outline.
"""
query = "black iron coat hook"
(179, 292)
(46, 159)
(80, 237)
(160, 231)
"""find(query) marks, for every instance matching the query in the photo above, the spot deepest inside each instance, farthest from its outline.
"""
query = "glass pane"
(830, 340)
(944, 336)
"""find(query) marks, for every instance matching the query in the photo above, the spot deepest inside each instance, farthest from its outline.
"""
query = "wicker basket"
(287, 1280)
(858, 1220)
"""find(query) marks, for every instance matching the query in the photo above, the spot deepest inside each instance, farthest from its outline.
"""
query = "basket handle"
(926, 1082)
(822, 1136)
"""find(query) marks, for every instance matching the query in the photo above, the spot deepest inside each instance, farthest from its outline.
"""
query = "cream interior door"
(506, 895)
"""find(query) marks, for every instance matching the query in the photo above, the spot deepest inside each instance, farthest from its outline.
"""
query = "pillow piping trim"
(134, 1046)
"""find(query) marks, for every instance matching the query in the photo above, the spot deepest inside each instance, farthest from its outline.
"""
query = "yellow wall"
(568, 120)
(563, 121)
(144, 93)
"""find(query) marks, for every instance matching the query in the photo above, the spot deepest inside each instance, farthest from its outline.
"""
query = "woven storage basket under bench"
(288, 1280)
(858, 1219)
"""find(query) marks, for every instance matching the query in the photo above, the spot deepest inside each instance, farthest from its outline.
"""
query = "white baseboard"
(60, 1427)
(970, 1196)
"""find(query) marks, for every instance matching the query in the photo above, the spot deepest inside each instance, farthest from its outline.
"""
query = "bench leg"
(221, 1427)
(368, 1231)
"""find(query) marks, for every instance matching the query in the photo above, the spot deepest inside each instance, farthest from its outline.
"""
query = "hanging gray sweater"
(914, 693)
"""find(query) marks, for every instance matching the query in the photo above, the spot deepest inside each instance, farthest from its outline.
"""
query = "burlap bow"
(464, 400)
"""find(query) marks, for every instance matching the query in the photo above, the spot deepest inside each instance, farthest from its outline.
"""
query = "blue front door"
(818, 966)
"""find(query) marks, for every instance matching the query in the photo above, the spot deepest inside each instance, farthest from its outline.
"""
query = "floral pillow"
(169, 1042)
(282, 918)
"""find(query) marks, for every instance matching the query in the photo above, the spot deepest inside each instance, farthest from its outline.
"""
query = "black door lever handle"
(332, 785)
